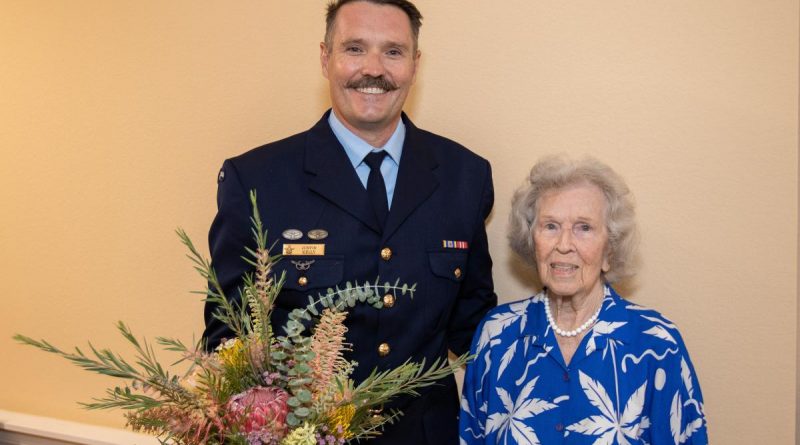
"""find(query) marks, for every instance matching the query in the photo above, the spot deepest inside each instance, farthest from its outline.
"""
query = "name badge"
(304, 249)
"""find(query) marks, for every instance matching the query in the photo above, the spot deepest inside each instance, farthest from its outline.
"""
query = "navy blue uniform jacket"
(443, 193)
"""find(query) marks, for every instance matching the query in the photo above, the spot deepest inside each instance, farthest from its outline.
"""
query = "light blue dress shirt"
(357, 150)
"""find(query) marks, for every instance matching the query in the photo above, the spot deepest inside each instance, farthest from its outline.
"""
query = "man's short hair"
(414, 16)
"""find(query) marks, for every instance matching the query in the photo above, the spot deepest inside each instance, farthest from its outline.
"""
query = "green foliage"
(150, 374)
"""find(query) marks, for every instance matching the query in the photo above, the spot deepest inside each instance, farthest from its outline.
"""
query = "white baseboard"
(25, 429)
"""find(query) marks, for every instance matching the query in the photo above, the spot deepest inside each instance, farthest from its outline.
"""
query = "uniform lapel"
(332, 176)
(415, 178)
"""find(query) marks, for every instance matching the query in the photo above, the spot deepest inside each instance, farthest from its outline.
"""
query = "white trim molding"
(24, 429)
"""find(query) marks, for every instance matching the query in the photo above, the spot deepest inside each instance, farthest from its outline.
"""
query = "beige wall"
(115, 116)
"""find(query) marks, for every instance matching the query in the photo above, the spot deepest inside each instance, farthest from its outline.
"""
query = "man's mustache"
(373, 82)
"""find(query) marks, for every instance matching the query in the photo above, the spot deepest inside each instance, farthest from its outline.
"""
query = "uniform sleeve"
(472, 419)
(677, 415)
(476, 296)
(229, 235)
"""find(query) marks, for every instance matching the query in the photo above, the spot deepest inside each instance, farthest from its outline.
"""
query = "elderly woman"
(577, 364)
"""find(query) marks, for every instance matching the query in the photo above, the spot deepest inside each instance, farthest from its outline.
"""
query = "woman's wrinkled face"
(571, 240)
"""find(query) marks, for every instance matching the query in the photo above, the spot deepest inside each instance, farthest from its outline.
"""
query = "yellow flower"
(231, 353)
(340, 420)
(304, 435)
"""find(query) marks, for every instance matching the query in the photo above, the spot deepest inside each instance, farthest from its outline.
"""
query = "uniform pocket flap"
(303, 273)
(450, 265)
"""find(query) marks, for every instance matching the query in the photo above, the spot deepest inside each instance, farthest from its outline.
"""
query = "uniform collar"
(331, 175)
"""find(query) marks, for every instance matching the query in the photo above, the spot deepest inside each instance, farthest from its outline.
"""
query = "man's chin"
(374, 120)
(377, 124)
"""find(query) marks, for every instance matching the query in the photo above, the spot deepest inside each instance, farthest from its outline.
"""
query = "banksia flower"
(232, 354)
(328, 344)
(340, 420)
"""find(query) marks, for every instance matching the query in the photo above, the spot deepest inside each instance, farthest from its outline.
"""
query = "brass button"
(386, 254)
(457, 272)
(302, 281)
(383, 349)
(388, 300)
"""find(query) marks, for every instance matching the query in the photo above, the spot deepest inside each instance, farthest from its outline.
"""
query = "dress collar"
(614, 322)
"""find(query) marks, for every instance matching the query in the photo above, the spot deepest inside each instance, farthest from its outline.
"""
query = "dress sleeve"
(472, 419)
(476, 296)
(677, 416)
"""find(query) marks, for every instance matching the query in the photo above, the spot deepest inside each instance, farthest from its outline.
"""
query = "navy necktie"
(376, 187)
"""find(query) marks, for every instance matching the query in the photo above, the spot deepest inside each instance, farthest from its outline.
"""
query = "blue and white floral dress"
(629, 382)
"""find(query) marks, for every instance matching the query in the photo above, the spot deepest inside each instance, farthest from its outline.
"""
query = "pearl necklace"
(573, 332)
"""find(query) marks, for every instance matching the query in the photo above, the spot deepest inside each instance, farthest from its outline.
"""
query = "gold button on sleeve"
(302, 281)
(388, 300)
(386, 254)
(383, 349)
(457, 272)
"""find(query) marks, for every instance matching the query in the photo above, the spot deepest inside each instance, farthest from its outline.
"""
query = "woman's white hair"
(556, 172)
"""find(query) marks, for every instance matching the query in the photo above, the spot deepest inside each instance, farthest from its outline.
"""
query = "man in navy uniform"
(365, 194)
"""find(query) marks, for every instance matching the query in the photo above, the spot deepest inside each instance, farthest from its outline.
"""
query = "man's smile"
(371, 90)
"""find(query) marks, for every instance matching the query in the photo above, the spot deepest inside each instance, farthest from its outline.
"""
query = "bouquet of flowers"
(261, 387)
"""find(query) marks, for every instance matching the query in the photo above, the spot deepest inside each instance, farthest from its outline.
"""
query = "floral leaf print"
(593, 425)
(497, 323)
(505, 397)
(633, 409)
(690, 429)
(604, 327)
(660, 332)
(520, 431)
(532, 407)
(640, 428)
(507, 356)
(497, 422)
(494, 328)
(686, 375)
(597, 395)
(660, 321)
(601, 328)
(606, 439)
(465, 405)
(523, 434)
(516, 412)
(675, 415)
(610, 425)
(521, 309)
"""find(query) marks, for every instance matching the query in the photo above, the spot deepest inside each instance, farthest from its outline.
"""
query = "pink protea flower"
(259, 409)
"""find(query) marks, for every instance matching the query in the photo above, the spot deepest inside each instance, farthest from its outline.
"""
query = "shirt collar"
(357, 149)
